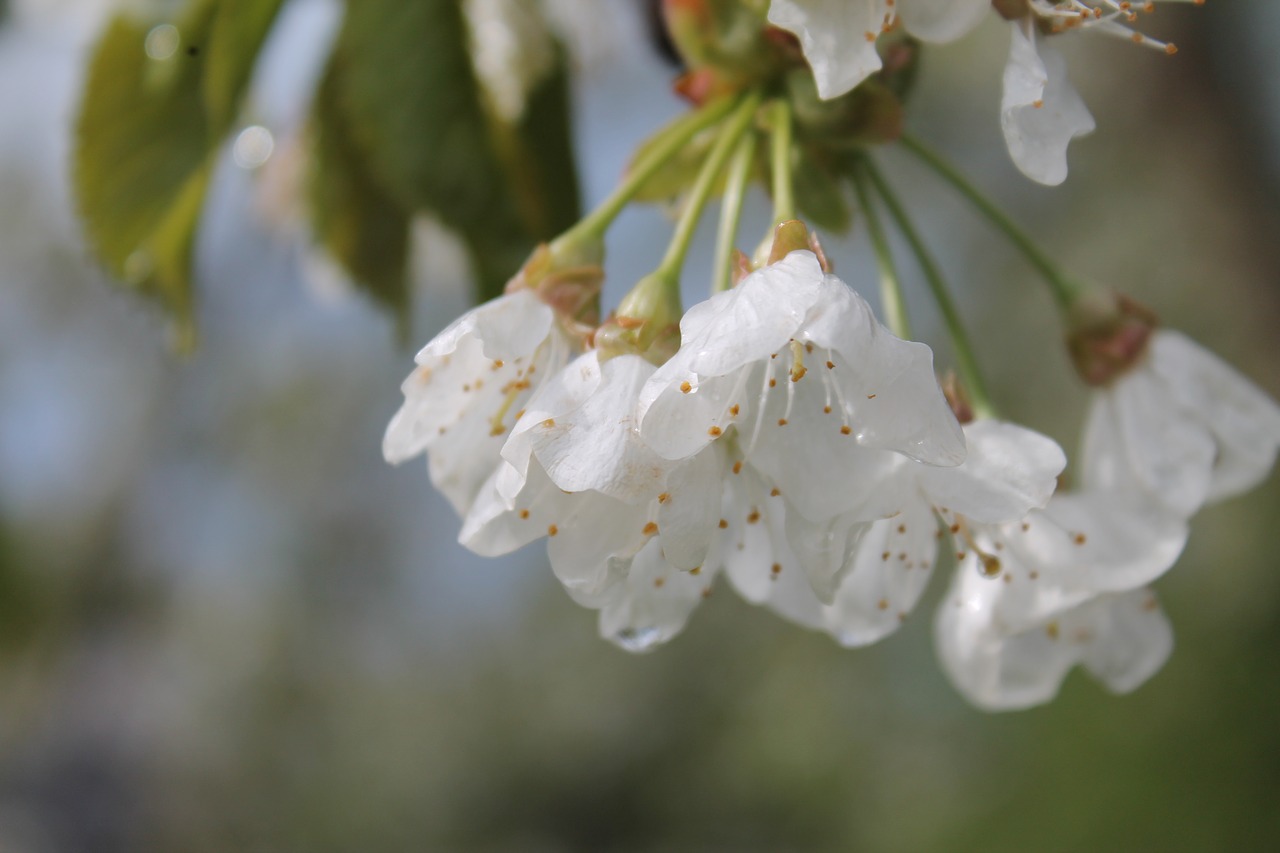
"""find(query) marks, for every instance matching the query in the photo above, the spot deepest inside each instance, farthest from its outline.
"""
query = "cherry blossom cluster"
(797, 447)
(779, 435)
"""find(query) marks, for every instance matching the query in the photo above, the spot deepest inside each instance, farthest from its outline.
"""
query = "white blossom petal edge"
(1181, 429)
(1122, 640)
(1040, 112)
(471, 380)
(839, 36)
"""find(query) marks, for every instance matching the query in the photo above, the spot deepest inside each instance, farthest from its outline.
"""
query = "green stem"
(784, 200)
(738, 123)
(966, 362)
(735, 194)
(1065, 291)
(895, 304)
(665, 146)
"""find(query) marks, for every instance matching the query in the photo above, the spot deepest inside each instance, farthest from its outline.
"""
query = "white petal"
(1080, 545)
(820, 468)
(762, 313)
(510, 326)
(1244, 421)
(559, 393)
(1131, 639)
(443, 389)
(837, 36)
(724, 342)
(653, 603)
(825, 550)
(893, 564)
(689, 515)
(596, 446)
(471, 380)
(887, 386)
(1157, 450)
(1008, 471)
(496, 526)
(756, 557)
(594, 544)
(1040, 112)
(461, 460)
(941, 21)
(1121, 639)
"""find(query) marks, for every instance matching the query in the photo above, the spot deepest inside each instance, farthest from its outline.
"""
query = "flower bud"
(567, 276)
(647, 322)
(725, 44)
(1107, 335)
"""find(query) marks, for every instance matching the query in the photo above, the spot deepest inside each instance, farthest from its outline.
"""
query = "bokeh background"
(226, 624)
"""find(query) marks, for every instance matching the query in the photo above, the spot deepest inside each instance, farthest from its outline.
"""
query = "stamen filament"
(496, 426)
(990, 562)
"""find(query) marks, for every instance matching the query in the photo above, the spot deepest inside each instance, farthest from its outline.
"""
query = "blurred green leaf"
(239, 29)
(821, 193)
(417, 111)
(537, 154)
(360, 225)
(415, 102)
(145, 143)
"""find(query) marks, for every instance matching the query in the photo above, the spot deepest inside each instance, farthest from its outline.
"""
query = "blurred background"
(226, 624)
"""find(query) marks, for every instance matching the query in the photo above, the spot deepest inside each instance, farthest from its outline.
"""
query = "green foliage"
(142, 155)
(418, 113)
(239, 29)
(821, 193)
(537, 155)
(400, 127)
(150, 121)
(362, 227)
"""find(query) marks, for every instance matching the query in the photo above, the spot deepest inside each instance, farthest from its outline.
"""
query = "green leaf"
(415, 103)
(537, 155)
(143, 155)
(360, 225)
(146, 139)
(821, 193)
(417, 112)
(239, 29)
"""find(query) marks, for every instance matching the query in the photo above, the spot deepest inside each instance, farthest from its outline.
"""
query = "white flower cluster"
(797, 447)
(1040, 112)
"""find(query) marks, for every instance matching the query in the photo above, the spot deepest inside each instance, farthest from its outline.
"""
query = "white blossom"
(839, 36)
(794, 377)
(1121, 640)
(1179, 429)
(1009, 471)
(626, 529)
(1040, 112)
(1065, 585)
(881, 569)
(470, 383)
(794, 367)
